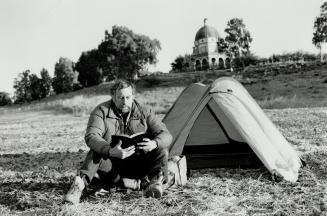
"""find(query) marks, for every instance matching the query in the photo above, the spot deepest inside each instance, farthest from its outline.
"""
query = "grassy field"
(41, 146)
(40, 152)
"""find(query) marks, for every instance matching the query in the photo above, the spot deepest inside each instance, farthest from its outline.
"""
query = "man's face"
(123, 99)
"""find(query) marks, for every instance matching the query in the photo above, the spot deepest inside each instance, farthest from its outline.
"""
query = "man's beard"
(125, 109)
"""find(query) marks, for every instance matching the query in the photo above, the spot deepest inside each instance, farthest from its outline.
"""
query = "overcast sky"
(35, 33)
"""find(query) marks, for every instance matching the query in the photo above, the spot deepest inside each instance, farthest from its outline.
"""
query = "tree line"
(121, 54)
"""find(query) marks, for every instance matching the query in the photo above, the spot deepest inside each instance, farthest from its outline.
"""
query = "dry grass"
(160, 99)
(40, 152)
(41, 146)
(281, 102)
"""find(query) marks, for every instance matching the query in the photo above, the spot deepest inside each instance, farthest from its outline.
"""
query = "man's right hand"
(119, 152)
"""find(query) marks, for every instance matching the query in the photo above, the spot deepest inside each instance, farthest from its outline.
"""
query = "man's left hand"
(147, 145)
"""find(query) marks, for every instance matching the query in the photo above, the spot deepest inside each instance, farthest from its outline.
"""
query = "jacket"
(104, 122)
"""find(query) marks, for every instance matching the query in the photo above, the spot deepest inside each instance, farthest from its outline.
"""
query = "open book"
(128, 140)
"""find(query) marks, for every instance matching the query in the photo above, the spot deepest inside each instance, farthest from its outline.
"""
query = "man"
(143, 167)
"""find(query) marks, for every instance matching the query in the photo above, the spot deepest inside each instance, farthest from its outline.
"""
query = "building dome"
(205, 32)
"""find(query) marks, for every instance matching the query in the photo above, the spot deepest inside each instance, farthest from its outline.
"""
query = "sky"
(34, 34)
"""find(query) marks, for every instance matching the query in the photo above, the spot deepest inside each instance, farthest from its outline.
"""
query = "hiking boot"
(145, 182)
(75, 192)
(155, 188)
(134, 184)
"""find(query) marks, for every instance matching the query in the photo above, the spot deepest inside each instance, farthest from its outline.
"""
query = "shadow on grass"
(29, 181)
(42, 162)
(21, 196)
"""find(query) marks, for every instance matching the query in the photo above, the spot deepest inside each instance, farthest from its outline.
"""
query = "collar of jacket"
(135, 112)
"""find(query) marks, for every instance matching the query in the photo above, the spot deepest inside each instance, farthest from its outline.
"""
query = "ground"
(41, 150)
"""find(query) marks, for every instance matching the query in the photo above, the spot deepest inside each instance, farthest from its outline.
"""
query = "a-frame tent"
(221, 125)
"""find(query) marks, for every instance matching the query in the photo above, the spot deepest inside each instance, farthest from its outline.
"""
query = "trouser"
(152, 165)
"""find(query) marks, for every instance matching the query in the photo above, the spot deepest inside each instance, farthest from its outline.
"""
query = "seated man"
(143, 166)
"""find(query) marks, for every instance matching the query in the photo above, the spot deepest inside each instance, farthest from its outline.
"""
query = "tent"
(221, 125)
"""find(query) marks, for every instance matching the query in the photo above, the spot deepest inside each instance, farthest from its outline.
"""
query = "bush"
(294, 56)
(151, 81)
(278, 68)
(5, 99)
(244, 61)
(253, 71)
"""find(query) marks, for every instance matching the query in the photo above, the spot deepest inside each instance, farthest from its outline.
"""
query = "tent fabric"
(181, 112)
(206, 130)
(222, 125)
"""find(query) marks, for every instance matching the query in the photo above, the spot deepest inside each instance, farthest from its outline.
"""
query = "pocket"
(137, 126)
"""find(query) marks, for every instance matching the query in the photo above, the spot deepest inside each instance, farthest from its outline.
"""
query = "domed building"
(205, 51)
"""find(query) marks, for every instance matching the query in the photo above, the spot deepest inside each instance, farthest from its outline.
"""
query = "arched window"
(221, 64)
(205, 64)
(213, 61)
(198, 65)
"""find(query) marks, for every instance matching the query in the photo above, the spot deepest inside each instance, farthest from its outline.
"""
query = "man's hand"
(119, 152)
(147, 145)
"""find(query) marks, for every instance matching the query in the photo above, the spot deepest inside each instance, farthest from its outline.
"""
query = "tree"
(178, 63)
(126, 53)
(236, 43)
(89, 68)
(5, 99)
(22, 87)
(30, 87)
(45, 83)
(323, 8)
(182, 63)
(223, 46)
(244, 61)
(320, 29)
(63, 80)
(238, 38)
(34, 87)
(40, 87)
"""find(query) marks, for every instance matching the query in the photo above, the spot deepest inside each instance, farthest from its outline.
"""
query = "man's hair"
(121, 84)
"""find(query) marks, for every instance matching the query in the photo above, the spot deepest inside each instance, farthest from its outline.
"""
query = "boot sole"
(153, 193)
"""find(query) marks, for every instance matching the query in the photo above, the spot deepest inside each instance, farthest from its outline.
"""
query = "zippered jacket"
(105, 121)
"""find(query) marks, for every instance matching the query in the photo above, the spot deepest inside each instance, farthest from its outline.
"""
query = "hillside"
(307, 88)
(272, 87)
(301, 86)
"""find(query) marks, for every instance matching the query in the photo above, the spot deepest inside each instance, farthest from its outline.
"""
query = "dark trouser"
(137, 166)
